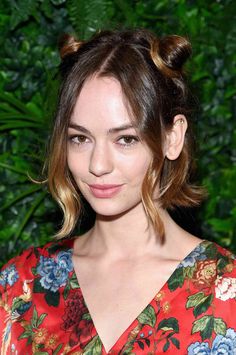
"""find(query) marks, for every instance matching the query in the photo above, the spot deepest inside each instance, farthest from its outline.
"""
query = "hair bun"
(174, 51)
(68, 45)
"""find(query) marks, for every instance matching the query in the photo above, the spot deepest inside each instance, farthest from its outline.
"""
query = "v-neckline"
(160, 291)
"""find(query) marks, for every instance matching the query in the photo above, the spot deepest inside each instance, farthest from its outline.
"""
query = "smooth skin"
(120, 263)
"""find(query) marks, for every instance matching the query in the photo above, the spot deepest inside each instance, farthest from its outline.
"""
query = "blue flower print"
(199, 349)
(225, 344)
(9, 276)
(196, 255)
(222, 345)
(54, 271)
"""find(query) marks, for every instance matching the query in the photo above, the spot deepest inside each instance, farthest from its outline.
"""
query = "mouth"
(105, 190)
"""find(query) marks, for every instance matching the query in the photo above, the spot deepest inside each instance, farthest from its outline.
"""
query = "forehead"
(101, 103)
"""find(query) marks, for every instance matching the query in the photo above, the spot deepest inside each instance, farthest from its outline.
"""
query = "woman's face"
(105, 155)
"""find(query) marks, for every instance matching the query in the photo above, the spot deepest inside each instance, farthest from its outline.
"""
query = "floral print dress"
(42, 309)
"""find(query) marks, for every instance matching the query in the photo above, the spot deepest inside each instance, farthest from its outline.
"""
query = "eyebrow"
(110, 131)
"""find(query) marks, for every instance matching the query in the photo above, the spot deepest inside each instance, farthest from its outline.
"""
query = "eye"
(78, 139)
(127, 141)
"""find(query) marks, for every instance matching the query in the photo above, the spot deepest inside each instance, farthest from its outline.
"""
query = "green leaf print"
(175, 342)
(200, 302)
(222, 262)
(56, 351)
(34, 318)
(38, 288)
(211, 252)
(205, 326)
(94, 347)
(169, 324)
(176, 280)
(66, 291)
(200, 324)
(188, 272)
(26, 334)
(219, 326)
(166, 346)
(52, 298)
(148, 316)
(195, 299)
(86, 316)
(41, 319)
(203, 306)
(207, 332)
(73, 282)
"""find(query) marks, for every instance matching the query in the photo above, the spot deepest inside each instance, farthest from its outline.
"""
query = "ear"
(175, 137)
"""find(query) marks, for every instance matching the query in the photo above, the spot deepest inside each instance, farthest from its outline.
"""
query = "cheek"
(75, 164)
(136, 170)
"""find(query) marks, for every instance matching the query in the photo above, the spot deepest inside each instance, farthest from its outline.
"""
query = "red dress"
(42, 309)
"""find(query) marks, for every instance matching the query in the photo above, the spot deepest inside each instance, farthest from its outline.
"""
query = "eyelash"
(74, 139)
(134, 139)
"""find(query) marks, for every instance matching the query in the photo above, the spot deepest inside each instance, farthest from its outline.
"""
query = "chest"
(116, 294)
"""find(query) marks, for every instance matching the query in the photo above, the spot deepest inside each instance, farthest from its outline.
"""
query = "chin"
(113, 209)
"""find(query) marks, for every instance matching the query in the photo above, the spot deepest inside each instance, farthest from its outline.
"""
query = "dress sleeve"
(14, 295)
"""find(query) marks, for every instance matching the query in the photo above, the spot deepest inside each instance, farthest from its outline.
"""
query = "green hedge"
(29, 58)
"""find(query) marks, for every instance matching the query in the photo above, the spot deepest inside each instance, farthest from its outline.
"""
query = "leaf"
(206, 333)
(56, 351)
(166, 346)
(175, 342)
(140, 344)
(200, 324)
(74, 281)
(13, 101)
(219, 326)
(169, 324)
(94, 347)
(148, 316)
(18, 124)
(52, 298)
(34, 318)
(26, 334)
(86, 316)
(203, 305)
(38, 288)
(222, 262)
(195, 299)
(147, 341)
(13, 168)
(29, 214)
(19, 197)
(176, 280)
(88, 17)
(66, 291)
(127, 10)
(211, 251)
(41, 319)
(188, 272)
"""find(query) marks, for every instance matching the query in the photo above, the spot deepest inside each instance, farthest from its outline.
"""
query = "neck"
(126, 235)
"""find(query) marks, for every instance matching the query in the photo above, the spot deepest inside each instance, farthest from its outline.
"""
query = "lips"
(104, 190)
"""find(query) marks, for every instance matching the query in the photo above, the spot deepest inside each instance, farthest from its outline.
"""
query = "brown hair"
(150, 72)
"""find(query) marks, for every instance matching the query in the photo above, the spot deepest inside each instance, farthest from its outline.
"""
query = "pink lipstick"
(105, 190)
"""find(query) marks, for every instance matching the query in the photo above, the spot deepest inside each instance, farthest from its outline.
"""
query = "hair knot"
(68, 45)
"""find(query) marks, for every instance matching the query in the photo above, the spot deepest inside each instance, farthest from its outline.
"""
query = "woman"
(135, 282)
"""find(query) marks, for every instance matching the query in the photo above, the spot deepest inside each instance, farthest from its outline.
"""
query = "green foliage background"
(29, 57)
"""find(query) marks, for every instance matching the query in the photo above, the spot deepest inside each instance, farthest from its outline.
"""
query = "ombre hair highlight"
(150, 72)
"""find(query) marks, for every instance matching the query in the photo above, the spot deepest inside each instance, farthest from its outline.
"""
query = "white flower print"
(225, 288)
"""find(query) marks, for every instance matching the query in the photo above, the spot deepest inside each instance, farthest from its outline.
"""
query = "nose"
(100, 160)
